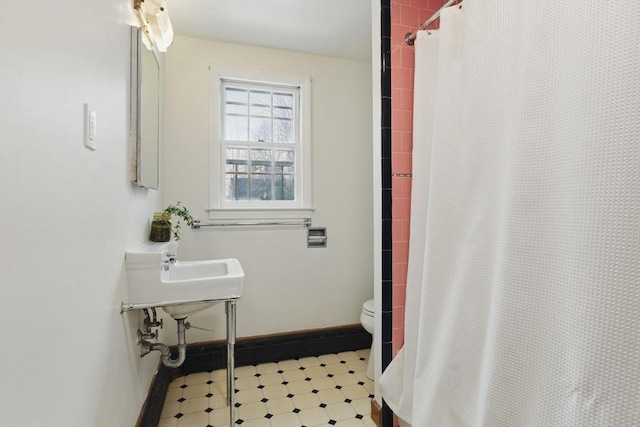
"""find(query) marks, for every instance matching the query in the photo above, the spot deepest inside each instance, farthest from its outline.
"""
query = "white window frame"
(221, 209)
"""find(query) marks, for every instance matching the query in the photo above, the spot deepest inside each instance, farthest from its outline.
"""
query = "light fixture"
(154, 20)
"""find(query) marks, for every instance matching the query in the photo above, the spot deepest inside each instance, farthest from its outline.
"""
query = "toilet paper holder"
(317, 237)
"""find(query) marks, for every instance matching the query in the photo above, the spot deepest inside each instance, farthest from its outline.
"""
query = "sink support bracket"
(230, 309)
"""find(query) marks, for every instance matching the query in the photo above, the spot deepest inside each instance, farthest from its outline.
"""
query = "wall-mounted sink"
(181, 288)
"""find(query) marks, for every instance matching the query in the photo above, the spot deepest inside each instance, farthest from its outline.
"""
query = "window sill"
(253, 214)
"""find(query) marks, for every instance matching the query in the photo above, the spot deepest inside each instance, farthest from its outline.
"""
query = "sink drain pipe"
(165, 353)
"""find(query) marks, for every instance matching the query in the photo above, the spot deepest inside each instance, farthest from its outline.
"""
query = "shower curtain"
(523, 289)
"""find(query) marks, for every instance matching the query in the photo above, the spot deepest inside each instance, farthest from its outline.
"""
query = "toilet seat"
(368, 308)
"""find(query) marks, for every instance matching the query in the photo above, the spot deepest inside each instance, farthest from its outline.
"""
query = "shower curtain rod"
(409, 38)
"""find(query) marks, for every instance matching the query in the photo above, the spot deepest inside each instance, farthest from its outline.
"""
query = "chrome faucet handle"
(170, 256)
(165, 265)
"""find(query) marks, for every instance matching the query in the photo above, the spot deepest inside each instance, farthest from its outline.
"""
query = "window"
(260, 145)
(259, 141)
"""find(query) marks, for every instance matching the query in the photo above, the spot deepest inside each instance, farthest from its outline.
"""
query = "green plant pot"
(160, 227)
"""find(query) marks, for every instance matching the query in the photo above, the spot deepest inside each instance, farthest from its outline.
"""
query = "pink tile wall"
(406, 16)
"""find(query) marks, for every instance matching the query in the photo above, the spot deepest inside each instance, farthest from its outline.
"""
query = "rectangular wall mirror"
(145, 112)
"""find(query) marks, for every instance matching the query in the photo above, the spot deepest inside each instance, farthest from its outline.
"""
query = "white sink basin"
(180, 288)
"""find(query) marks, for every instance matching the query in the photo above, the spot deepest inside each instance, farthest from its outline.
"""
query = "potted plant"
(161, 226)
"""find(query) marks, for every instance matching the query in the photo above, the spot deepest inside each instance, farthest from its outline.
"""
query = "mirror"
(145, 112)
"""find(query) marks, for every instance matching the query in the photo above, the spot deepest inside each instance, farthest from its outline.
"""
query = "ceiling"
(336, 28)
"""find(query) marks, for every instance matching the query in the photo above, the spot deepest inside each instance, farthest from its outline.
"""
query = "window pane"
(236, 187)
(235, 128)
(260, 129)
(284, 187)
(232, 166)
(239, 153)
(282, 130)
(237, 159)
(236, 109)
(260, 111)
(261, 160)
(236, 95)
(261, 187)
(285, 161)
(282, 100)
(286, 113)
(260, 97)
(287, 155)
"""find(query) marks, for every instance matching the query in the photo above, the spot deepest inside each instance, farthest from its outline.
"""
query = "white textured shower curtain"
(523, 290)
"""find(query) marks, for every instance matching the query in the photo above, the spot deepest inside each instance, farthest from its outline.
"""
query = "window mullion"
(273, 171)
(273, 153)
(248, 125)
(235, 182)
(249, 172)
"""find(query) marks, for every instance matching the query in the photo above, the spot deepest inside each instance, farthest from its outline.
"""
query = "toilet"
(367, 320)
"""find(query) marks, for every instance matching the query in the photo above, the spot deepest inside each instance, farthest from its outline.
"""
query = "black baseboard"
(210, 356)
(152, 407)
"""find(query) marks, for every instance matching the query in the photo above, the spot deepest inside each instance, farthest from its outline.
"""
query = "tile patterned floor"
(328, 390)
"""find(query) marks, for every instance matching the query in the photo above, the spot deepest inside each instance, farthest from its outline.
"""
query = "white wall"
(288, 287)
(67, 358)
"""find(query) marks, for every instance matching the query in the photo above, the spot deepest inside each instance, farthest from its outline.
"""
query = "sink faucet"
(169, 259)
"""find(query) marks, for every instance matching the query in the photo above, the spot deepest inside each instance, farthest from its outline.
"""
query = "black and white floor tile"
(328, 390)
